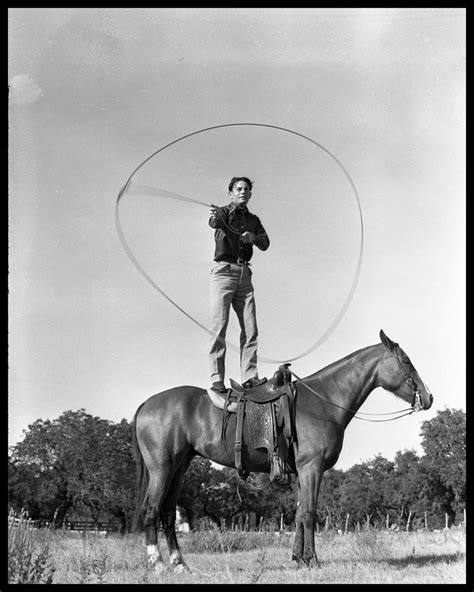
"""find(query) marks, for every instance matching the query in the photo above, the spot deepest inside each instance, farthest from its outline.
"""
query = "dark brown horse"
(172, 427)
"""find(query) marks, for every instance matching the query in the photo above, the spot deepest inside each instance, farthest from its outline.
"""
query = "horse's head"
(399, 376)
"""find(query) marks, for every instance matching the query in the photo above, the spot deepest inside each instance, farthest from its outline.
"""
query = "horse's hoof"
(302, 562)
(298, 559)
(160, 568)
(181, 568)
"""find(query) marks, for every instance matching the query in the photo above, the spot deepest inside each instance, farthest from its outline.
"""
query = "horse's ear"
(386, 341)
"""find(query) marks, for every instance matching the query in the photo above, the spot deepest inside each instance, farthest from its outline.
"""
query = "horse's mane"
(335, 366)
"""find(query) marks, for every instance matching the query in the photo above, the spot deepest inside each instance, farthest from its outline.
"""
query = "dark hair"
(235, 180)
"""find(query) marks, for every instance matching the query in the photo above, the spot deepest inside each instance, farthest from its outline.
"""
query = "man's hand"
(247, 237)
(215, 211)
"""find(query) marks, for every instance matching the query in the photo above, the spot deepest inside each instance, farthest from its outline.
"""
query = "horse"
(173, 426)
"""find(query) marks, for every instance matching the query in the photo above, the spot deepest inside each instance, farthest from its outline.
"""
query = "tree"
(76, 463)
(330, 501)
(444, 443)
(28, 490)
(118, 473)
(270, 499)
(218, 495)
(366, 490)
(206, 492)
(409, 486)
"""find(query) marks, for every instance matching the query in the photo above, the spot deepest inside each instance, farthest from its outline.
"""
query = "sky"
(94, 92)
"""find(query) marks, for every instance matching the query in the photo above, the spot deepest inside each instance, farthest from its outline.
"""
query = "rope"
(144, 273)
(136, 189)
(143, 189)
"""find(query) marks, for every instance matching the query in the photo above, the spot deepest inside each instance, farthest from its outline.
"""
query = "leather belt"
(238, 261)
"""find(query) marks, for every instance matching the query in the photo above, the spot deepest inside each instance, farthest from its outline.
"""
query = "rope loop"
(130, 188)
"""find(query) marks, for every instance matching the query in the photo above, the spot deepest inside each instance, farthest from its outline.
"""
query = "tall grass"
(232, 557)
(29, 556)
(216, 540)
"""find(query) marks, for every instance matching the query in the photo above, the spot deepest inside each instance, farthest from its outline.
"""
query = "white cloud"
(24, 90)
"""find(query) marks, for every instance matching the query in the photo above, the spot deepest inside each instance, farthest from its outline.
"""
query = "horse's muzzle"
(419, 404)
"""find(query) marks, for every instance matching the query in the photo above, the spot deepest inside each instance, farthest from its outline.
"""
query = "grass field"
(214, 557)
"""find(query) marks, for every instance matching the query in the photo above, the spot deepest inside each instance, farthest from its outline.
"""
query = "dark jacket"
(229, 226)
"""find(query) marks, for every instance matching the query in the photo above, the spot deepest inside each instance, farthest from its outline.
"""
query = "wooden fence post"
(426, 521)
(55, 516)
(347, 524)
(446, 520)
(408, 521)
(281, 522)
(387, 522)
(400, 519)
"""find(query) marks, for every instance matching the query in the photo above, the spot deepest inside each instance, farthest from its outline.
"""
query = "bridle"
(415, 407)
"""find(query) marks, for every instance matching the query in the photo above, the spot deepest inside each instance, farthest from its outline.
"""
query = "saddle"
(269, 413)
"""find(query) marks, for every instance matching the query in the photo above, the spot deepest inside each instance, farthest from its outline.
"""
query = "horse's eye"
(409, 380)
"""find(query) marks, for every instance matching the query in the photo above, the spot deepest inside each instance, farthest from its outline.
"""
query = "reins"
(403, 412)
(410, 410)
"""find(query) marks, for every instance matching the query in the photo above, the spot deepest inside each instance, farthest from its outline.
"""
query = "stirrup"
(277, 468)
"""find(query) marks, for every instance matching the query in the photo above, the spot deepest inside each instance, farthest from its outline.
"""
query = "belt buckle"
(241, 261)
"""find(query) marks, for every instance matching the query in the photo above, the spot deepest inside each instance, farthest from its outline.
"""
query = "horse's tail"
(142, 477)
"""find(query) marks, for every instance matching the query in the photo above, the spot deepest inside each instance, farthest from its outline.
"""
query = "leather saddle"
(268, 410)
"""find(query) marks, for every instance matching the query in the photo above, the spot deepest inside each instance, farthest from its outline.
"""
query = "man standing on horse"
(236, 231)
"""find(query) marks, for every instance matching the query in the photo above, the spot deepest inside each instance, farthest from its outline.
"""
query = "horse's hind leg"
(157, 490)
(168, 516)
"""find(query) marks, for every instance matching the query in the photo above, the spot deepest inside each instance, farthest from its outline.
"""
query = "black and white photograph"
(236, 295)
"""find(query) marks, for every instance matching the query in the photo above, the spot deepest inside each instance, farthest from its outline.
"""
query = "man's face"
(240, 193)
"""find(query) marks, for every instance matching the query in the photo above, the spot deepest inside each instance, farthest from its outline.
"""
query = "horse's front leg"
(297, 552)
(310, 476)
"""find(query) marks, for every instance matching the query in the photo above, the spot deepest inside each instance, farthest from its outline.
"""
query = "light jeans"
(231, 284)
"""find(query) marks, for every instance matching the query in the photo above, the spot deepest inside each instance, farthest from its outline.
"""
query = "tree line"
(81, 467)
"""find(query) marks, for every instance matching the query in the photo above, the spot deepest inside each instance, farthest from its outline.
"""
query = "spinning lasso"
(135, 189)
